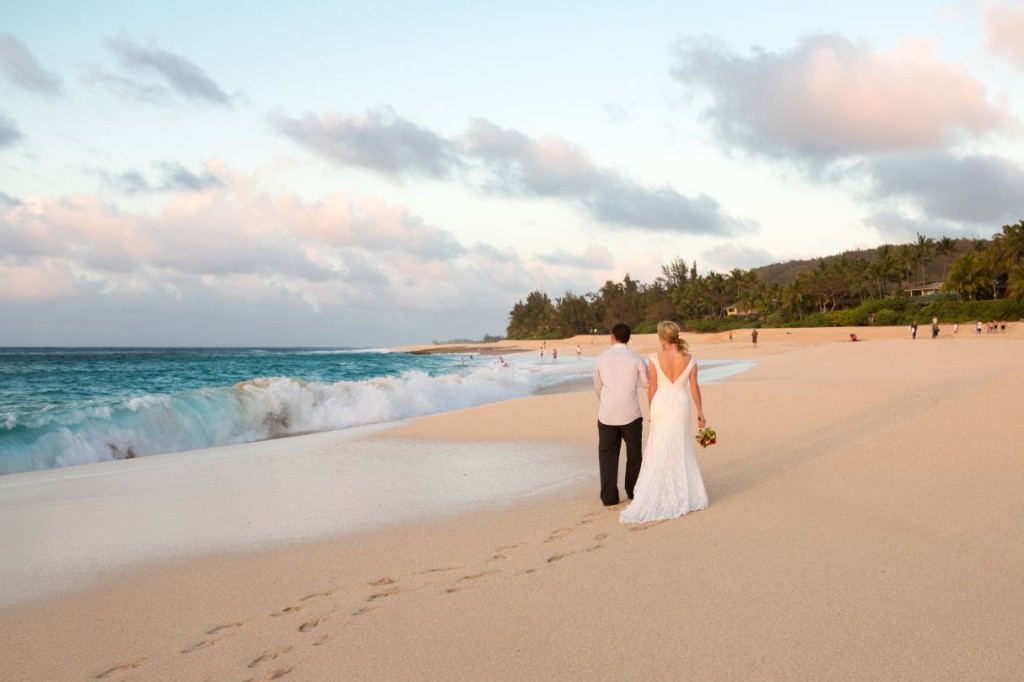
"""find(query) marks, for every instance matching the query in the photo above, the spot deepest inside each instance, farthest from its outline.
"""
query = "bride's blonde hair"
(668, 331)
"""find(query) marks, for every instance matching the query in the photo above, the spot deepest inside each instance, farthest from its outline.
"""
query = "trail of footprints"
(381, 591)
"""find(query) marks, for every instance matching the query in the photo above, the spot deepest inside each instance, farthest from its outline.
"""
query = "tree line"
(850, 288)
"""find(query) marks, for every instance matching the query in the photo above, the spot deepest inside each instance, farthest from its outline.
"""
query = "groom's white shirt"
(616, 376)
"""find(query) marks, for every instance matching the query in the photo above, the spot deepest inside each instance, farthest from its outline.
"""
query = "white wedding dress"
(670, 483)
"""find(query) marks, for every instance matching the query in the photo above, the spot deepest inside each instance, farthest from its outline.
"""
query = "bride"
(670, 483)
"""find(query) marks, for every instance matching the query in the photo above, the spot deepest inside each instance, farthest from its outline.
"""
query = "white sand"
(865, 523)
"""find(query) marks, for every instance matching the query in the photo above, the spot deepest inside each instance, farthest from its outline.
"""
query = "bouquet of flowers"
(707, 436)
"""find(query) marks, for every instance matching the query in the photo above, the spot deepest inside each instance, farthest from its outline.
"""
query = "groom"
(616, 376)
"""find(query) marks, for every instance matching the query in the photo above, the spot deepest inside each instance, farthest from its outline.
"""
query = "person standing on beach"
(616, 376)
(670, 484)
(913, 329)
(753, 337)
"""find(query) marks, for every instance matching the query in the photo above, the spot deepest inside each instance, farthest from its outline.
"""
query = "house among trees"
(924, 289)
(737, 309)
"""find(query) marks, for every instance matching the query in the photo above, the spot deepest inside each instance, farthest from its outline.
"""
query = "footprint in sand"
(274, 675)
(652, 524)
(382, 594)
(269, 656)
(363, 611)
(310, 624)
(213, 631)
(315, 595)
(382, 581)
(474, 576)
(205, 644)
(323, 640)
(439, 570)
(559, 534)
(117, 668)
(288, 610)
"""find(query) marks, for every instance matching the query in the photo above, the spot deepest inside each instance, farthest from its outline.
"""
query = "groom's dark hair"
(621, 332)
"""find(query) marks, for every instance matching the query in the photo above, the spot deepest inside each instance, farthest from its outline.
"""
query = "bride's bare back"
(673, 363)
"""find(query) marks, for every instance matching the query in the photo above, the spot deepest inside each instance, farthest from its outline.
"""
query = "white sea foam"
(261, 409)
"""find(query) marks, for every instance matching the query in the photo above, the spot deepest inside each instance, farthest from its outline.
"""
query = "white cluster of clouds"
(846, 111)
(901, 127)
(334, 263)
(506, 162)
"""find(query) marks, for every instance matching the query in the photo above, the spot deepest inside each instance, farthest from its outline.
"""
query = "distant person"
(1002, 326)
(853, 337)
(979, 326)
(935, 330)
(913, 330)
(554, 355)
(730, 335)
(753, 337)
(616, 376)
(670, 484)
(956, 327)
(579, 351)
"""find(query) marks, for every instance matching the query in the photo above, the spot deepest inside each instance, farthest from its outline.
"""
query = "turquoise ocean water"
(65, 406)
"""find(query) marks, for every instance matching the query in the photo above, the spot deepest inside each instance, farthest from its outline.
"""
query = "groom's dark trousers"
(609, 444)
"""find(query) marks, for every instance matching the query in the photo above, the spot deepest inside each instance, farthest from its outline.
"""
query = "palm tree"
(1015, 283)
(883, 267)
(907, 260)
(1008, 246)
(970, 274)
(924, 247)
(946, 248)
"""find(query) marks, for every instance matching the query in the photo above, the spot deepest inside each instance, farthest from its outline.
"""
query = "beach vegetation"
(955, 280)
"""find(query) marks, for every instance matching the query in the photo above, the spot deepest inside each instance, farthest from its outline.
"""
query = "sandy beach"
(864, 523)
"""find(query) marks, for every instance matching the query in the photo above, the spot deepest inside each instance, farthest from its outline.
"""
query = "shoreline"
(846, 492)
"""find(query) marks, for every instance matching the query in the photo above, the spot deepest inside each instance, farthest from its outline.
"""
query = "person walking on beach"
(913, 330)
(616, 376)
(670, 484)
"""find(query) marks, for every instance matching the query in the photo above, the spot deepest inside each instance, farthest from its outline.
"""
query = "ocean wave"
(252, 410)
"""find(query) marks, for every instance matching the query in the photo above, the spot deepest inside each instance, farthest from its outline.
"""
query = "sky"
(389, 173)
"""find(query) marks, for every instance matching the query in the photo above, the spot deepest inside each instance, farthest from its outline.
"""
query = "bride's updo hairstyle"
(668, 331)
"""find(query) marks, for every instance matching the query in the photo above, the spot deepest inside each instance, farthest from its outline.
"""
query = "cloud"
(1006, 33)
(616, 112)
(9, 133)
(126, 87)
(379, 141)
(24, 69)
(173, 178)
(507, 162)
(828, 98)
(974, 189)
(515, 164)
(592, 258)
(725, 257)
(180, 74)
(238, 265)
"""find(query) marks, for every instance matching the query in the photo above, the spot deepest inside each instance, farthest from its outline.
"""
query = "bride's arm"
(695, 392)
(652, 381)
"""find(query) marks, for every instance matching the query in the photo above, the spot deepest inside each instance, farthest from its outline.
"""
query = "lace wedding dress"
(670, 483)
